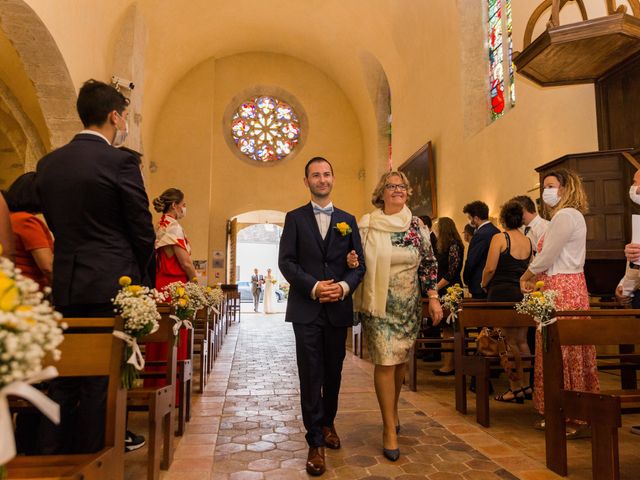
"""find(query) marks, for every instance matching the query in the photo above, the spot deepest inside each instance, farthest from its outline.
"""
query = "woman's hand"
(435, 311)
(526, 286)
(623, 300)
(352, 259)
(632, 251)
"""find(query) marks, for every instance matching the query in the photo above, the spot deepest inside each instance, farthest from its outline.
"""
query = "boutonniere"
(343, 228)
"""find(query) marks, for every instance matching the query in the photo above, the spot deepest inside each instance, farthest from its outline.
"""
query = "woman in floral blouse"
(401, 268)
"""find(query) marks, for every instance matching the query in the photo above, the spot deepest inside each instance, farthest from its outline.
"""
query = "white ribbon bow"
(136, 359)
(23, 389)
(453, 315)
(179, 324)
(216, 311)
(544, 323)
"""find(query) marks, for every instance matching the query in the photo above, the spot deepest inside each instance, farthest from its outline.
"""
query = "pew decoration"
(540, 304)
(452, 300)
(213, 298)
(30, 330)
(186, 299)
(137, 305)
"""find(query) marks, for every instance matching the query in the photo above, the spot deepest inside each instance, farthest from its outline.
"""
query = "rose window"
(265, 129)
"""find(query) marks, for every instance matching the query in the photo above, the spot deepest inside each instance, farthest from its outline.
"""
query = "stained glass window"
(497, 58)
(265, 129)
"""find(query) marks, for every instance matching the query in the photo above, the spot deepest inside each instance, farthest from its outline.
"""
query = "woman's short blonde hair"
(573, 196)
(378, 192)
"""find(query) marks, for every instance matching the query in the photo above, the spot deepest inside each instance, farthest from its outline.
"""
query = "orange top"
(30, 234)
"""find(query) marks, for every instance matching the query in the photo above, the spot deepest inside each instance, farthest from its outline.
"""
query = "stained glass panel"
(265, 129)
(496, 74)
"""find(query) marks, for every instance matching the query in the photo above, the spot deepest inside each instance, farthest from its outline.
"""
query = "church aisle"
(261, 435)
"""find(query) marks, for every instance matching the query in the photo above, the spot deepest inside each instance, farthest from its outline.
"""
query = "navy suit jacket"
(477, 258)
(305, 258)
(94, 201)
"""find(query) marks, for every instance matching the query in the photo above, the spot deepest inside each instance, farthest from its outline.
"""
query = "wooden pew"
(159, 401)
(602, 410)
(476, 315)
(88, 349)
(201, 347)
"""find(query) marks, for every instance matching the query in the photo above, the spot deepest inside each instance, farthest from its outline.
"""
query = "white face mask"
(633, 195)
(184, 211)
(550, 196)
(121, 135)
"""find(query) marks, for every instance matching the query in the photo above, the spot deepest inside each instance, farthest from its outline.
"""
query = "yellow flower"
(457, 285)
(180, 291)
(208, 289)
(343, 228)
(450, 290)
(124, 281)
(182, 302)
(9, 293)
(539, 284)
(135, 289)
(536, 294)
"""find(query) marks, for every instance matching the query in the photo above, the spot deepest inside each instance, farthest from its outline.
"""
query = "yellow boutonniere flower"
(343, 228)
(539, 285)
(124, 281)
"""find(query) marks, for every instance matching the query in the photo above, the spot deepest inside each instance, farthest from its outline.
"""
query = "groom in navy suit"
(313, 258)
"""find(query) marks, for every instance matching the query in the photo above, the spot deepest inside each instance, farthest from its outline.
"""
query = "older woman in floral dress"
(401, 268)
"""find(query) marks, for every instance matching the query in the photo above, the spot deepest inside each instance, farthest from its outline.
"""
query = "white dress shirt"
(565, 244)
(324, 222)
(537, 227)
(97, 134)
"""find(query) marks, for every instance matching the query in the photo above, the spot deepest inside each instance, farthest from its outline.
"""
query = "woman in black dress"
(509, 255)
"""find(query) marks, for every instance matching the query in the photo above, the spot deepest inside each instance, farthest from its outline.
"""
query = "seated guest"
(508, 258)
(534, 224)
(450, 253)
(478, 215)
(400, 268)
(6, 234)
(467, 233)
(33, 240)
(560, 265)
(426, 219)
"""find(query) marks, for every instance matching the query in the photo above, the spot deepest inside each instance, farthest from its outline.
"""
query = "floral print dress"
(414, 271)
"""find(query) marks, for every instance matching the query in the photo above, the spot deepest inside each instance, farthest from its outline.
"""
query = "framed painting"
(421, 172)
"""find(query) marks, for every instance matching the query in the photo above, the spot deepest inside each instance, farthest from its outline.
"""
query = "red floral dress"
(579, 361)
(168, 270)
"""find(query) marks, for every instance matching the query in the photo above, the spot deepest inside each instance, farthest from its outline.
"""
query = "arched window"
(265, 129)
(500, 57)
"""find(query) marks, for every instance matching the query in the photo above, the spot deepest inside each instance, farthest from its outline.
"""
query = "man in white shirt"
(534, 224)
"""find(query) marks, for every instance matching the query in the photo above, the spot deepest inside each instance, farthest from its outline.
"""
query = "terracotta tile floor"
(247, 425)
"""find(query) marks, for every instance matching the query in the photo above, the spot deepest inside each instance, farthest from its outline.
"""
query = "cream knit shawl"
(376, 229)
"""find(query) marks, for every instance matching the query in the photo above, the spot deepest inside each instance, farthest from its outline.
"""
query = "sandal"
(528, 392)
(518, 397)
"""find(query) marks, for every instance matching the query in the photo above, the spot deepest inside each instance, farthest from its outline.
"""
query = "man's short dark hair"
(97, 100)
(22, 195)
(316, 160)
(526, 203)
(426, 219)
(477, 209)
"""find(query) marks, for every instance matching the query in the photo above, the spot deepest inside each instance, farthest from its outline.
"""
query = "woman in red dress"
(173, 263)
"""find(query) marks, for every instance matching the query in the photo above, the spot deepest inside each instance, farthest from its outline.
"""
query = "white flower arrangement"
(30, 329)
(187, 298)
(540, 304)
(452, 301)
(137, 305)
(214, 297)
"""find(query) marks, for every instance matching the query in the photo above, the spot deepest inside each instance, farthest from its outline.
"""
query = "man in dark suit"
(478, 215)
(94, 201)
(256, 288)
(313, 258)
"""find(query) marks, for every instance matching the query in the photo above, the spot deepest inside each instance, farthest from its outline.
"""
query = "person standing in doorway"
(313, 258)
(256, 288)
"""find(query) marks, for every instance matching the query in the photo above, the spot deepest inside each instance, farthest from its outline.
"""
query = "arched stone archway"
(45, 67)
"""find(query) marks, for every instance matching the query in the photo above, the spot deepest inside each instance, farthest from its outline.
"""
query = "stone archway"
(45, 67)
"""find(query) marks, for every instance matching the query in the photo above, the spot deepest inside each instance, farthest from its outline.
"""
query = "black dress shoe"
(439, 373)
(391, 454)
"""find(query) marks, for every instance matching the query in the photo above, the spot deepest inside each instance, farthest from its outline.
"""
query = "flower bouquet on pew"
(540, 304)
(186, 299)
(214, 297)
(30, 329)
(452, 301)
(137, 305)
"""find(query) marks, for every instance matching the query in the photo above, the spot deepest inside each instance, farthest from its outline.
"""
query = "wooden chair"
(88, 349)
(476, 315)
(602, 410)
(159, 401)
(201, 345)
